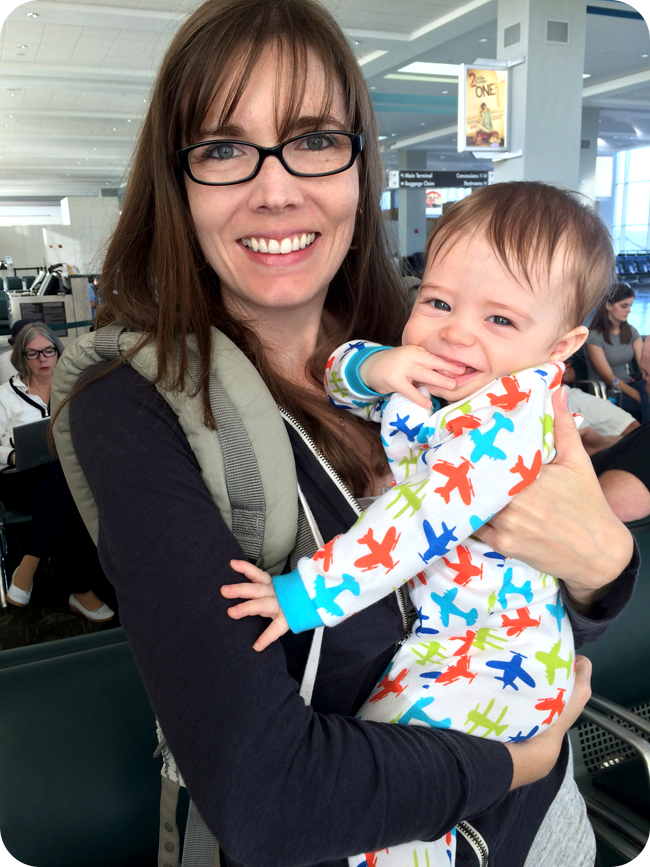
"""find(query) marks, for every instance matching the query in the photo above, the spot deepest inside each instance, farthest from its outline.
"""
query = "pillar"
(589, 152)
(546, 91)
(412, 221)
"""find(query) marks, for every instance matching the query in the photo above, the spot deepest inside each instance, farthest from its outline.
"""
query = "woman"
(611, 346)
(42, 490)
(250, 207)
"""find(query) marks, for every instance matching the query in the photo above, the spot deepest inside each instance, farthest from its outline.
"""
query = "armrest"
(592, 386)
(641, 747)
(621, 712)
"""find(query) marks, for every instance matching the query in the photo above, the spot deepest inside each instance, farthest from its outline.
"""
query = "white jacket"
(15, 411)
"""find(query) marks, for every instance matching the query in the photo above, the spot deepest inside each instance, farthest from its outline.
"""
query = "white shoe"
(100, 615)
(16, 596)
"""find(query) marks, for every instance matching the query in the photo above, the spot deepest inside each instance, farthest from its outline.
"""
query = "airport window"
(632, 200)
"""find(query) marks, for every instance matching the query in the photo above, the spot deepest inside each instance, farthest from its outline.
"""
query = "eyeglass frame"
(183, 155)
(42, 352)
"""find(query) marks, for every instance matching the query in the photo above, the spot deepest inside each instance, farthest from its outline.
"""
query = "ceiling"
(75, 79)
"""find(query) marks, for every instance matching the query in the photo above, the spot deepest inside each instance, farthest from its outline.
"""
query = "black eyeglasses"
(311, 155)
(33, 354)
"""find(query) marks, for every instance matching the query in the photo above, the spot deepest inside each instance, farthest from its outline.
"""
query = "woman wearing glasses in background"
(43, 490)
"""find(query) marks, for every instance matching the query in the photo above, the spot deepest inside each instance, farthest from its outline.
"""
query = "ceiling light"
(372, 87)
(114, 129)
(12, 94)
(381, 137)
(393, 134)
(32, 14)
(128, 120)
(423, 124)
(586, 75)
(356, 42)
(484, 39)
(645, 55)
(421, 68)
(20, 45)
(444, 91)
(11, 115)
(368, 58)
(407, 76)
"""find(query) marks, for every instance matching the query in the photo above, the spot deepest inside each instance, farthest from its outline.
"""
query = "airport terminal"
(185, 239)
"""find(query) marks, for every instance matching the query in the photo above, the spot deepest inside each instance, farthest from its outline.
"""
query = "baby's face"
(472, 312)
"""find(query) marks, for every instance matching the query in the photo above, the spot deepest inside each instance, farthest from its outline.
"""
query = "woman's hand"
(562, 524)
(403, 368)
(536, 757)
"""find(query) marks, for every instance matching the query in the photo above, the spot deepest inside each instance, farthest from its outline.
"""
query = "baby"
(511, 272)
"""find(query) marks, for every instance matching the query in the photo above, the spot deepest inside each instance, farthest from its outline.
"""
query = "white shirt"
(15, 411)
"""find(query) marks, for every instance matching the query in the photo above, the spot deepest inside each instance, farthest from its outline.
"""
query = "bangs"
(295, 44)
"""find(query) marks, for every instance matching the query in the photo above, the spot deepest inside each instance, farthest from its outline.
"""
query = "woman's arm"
(562, 523)
(637, 346)
(599, 361)
(278, 783)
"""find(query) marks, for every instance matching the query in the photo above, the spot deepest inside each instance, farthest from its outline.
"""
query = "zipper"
(475, 840)
(331, 472)
(329, 469)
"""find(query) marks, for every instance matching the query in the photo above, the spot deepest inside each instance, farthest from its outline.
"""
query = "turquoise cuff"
(351, 371)
(294, 600)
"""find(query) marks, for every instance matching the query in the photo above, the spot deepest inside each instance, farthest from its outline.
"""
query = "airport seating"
(634, 267)
(12, 284)
(611, 746)
(79, 784)
(4, 314)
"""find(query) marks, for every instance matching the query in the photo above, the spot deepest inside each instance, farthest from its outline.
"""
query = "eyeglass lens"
(33, 354)
(226, 161)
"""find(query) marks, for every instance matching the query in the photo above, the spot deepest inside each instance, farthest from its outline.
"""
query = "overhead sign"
(415, 179)
(483, 104)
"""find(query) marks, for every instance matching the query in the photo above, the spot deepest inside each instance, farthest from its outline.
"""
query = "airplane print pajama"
(491, 653)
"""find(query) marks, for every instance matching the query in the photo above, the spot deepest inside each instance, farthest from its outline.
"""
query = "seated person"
(621, 462)
(611, 347)
(492, 306)
(7, 370)
(43, 490)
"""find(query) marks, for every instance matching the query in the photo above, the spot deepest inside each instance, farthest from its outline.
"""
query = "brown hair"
(24, 338)
(527, 223)
(600, 322)
(155, 277)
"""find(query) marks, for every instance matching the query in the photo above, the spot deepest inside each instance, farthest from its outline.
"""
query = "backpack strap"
(247, 465)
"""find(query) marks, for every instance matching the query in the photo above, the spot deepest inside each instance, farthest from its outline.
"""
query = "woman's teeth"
(286, 245)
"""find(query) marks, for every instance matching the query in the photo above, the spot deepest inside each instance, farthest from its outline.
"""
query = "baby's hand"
(404, 368)
(263, 601)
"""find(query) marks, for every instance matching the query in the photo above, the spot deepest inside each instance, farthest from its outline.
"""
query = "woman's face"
(275, 205)
(619, 311)
(41, 366)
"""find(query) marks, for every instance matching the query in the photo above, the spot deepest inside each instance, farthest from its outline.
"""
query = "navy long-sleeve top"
(278, 783)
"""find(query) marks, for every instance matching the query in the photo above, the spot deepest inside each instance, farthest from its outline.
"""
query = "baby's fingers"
(272, 632)
(251, 571)
(265, 607)
(247, 591)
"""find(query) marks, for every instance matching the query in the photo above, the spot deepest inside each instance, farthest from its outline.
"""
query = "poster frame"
(499, 66)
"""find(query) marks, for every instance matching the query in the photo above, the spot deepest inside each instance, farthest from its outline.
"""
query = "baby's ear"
(569, 343)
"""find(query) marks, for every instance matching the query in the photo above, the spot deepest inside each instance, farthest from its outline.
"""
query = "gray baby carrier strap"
(249, 469)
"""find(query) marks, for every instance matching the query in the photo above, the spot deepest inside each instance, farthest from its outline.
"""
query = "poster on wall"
(482, 109)
(434, 203)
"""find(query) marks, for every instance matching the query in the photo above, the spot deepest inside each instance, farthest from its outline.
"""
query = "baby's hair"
(527, 223)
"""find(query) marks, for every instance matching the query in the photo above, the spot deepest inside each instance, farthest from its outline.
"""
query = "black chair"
(9, 519)
(5, 328)
(612, 741)
(79, 785)
(592, 386)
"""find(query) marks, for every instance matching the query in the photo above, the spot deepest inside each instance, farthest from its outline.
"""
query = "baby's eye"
(439, 304)
(500, 320)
